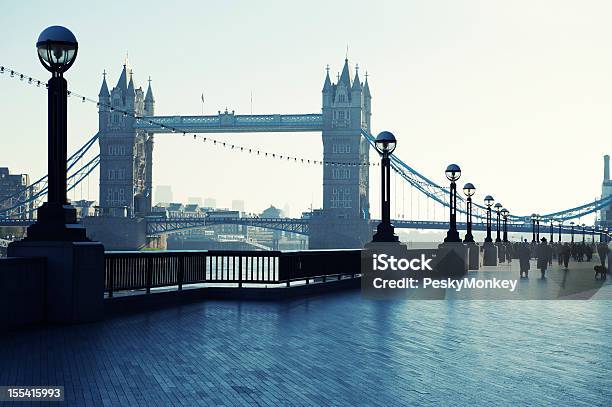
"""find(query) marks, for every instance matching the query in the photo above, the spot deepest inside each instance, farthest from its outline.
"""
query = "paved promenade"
(336, 350)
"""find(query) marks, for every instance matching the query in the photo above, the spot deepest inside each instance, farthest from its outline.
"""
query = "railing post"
(289, 269)
(239, 271)
(181, 271)
(110, 269)
(149, 273)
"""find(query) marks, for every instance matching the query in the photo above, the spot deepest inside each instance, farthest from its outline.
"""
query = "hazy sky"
(519, 93)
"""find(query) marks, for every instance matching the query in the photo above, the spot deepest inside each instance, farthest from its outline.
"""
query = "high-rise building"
(163, 194)
(194, 200)
(606, 191)
(210, 203)
(238, 205)
(14, 195)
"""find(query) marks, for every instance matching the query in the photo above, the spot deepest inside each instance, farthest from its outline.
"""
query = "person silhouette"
(543, 254)
(524, 255)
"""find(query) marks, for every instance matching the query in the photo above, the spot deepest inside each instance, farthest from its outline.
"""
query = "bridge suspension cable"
(418, 181)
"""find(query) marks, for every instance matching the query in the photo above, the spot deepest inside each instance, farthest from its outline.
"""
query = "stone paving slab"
(332, 350)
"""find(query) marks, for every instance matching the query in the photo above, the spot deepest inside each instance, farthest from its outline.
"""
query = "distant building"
(192, 211)
(606, 191)
(14, 193)
(175, 210)
(238, 205)
(226, 229)
(210, 203)
(84, 208)
(163, 193)
(195, 200)
(272, 212)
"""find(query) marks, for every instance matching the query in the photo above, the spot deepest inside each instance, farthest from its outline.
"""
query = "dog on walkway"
(601, 271)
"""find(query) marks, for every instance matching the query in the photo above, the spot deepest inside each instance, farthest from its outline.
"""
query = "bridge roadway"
(228, 122)
(157, 226)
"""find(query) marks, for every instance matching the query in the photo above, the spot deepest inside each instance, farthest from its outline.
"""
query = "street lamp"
(57, 50)
(453, 173)
(572, 230)
(552, 237)
(537, 227)
(489, 202)
(469, 189)
(505, 213)
(593, 235)
(560, 224)
(533, 226)
(498, 207)
(385, 145)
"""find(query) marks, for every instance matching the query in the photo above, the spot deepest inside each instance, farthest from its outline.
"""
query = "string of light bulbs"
(266, 154)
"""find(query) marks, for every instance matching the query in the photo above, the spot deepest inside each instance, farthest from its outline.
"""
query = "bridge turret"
(345, 215)
(149, 101)
(125, 152)
(367, 102)
(327, 90)
(103, 104)
(130, 94)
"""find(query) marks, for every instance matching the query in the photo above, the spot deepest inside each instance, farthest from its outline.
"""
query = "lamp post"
(57, 50)
(488, 202)
(74, 283)
(469, 190)
(593, 235)
(552, 237)
(505, 213)
(560, 224)
(453, 173)
(572, 230)
(385, 145)
(498, 207)
(583, 233)
(533, 226)
(537, 227)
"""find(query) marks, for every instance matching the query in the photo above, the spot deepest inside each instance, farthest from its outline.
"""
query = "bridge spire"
(327, 85)
(344, 76)
(356, 82)
(104, 88)
(149, 101)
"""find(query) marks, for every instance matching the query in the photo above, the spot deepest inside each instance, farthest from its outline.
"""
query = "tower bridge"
(127, 141)
(127, 127)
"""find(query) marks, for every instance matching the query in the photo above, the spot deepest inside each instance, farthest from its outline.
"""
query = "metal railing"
(146, 270)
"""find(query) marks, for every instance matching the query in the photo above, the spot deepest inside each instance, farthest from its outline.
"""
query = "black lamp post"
(560, 224)
(533, 226)
(537, 227)
(385, 145)
(488, 202)
(57, 50)
(593, 234)
(469, 190)
(498, 207)
(583, 233)
(572, 231)
(453, 173)
(505, 213)
(552, 237)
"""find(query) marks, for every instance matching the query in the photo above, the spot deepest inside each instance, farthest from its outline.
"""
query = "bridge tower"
(125, 153)
(344, 219)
